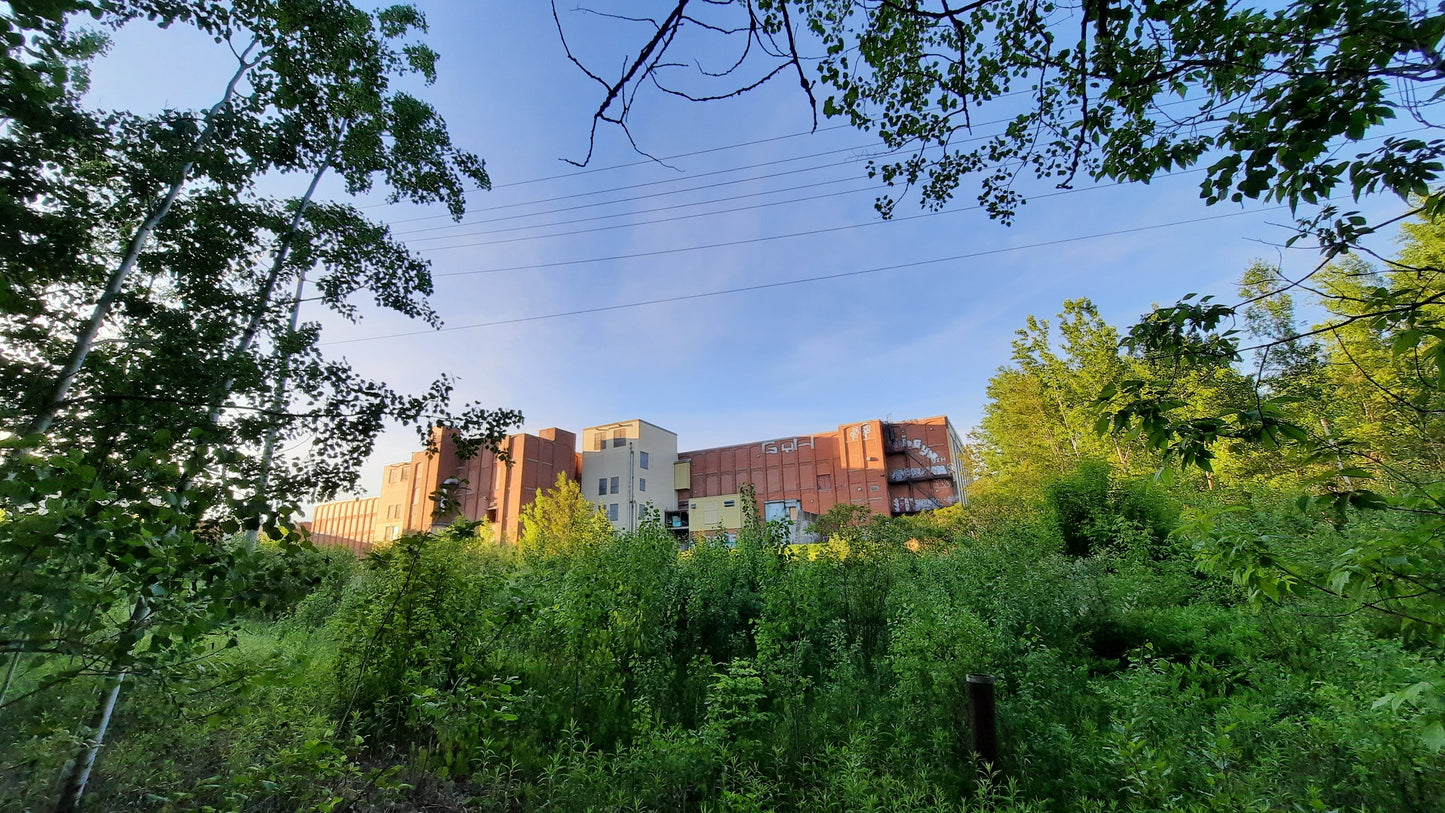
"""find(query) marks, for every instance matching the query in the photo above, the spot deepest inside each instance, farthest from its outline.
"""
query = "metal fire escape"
(922, 471)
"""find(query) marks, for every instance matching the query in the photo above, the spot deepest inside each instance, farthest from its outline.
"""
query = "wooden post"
(983, 729)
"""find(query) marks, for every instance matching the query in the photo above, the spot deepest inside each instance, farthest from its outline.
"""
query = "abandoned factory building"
(632, 467)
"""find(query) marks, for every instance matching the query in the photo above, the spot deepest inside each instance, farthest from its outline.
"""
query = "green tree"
(1040, 417)
(151, 364)
(562, 522)
(1122, 91)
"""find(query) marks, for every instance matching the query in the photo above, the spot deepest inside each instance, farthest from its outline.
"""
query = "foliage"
(622, 674)
(561, 519)
(1261, 96)
(151, 365)
(411, 661)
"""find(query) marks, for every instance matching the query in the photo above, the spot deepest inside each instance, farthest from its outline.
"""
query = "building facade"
(627, 469)
(345, 524)
(632, 467)
(486, 488)
(893, 468)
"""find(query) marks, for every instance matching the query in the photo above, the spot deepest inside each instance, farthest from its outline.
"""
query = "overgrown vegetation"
(619, 674)
(1204, 556)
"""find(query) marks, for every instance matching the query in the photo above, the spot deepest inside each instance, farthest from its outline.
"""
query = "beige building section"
(345, 524)
(627, 467)
(712, 514)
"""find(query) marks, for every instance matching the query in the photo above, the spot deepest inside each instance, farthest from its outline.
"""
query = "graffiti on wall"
(790, 445)
(922, 449)
(862, 431)
(907, 505)
(917, 473)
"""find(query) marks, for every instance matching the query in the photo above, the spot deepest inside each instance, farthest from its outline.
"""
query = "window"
(619, 438)
(404, 474)
(642, 459)
(825, 482)
(395, 531)
(612, 512)
(601, 485)
(642, 484)
(615, 484)
(601, 441)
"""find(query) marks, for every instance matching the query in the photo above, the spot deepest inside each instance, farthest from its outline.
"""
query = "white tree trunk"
(85, 337)
(76, 773)
(278, 402)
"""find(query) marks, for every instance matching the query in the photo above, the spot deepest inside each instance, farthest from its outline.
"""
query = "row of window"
(619, 438)
(621, 441)
(611, 485)
(612, 511)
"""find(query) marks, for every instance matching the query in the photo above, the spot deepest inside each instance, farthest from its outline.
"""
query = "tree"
(1120, 91)
(151, 364)
(1040, 416)
(562, 522)
(1381, 392)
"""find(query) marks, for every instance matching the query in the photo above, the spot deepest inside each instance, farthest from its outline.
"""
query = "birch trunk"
(278, 263)
(278, 402)
(85, 338)
(77, 772)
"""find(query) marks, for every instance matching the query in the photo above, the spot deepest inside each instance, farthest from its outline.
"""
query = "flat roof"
(628, 421)
(681, 454)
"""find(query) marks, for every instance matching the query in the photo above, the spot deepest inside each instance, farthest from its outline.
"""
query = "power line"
(674, 219)
(701, 214)
(693, 153)
(699, 188)
(769, 238)
(655, 210)
(593, 170)
(972, 127)
(451, 226)
(803, 280)
(759, 165)
(689, 177)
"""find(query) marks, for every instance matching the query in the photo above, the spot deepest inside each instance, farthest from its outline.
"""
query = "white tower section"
(627, 466)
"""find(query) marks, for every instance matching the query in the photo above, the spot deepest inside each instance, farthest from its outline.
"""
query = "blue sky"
(910, 342)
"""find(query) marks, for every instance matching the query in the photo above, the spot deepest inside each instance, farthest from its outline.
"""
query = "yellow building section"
(682, 475)
(708, 514)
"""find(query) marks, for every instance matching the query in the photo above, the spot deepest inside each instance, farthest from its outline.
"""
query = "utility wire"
(803, 280)
(869, 188)
(689, 177)
(714, 185)
(706, 151)
(769, 238)
(654, 210)
(860, 148)
(672, 207)
(642, 162)
(609, 168)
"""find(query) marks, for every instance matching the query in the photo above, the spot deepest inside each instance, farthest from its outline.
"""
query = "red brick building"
(891, 467)
(488, 489)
